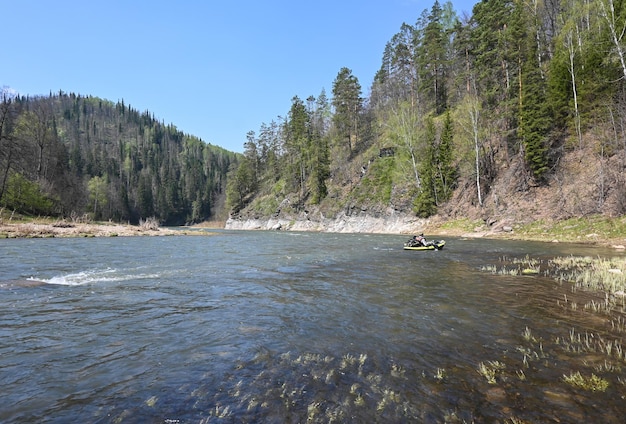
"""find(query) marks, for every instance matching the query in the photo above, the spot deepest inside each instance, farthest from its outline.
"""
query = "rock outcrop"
(393, 223)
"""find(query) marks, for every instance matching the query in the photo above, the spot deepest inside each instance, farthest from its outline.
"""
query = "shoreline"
(77, 230)
(407, 226)
(388, 225)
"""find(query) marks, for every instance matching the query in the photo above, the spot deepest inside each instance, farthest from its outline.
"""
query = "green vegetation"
(594, 290)
(457, 107)
(27, 196)
(490, 370)
(588, 228)
(467, 116)
(461, 225)
(376, 184)
(67, 155)
(591, 229)
(593, 383)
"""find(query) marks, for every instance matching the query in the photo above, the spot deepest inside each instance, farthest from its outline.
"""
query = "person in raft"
(418, 240)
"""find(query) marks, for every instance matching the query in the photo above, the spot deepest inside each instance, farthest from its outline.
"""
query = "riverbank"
(392, 223)
(597, 230)
(44, 229)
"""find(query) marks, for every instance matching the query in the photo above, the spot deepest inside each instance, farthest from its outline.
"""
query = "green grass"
(462, 224)
(376, 184)
(586, 229)
(595, 274)
(593, 383)
(490, 370)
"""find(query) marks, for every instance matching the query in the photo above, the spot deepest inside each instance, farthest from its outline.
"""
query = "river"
(285, 327)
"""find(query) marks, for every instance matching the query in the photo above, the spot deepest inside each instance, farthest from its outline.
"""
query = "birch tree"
(474, 117)
(402, 128)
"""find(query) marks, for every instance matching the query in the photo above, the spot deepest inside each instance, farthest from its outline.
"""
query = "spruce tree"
(533, 115)
(425, 203)
(446, 171)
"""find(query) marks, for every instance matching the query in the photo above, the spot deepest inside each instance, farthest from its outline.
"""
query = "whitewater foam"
(95, 276)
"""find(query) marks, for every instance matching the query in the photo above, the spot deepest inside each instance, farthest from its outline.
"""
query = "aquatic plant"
(597, 274)
(515, 266)
(397, 371)
(528, 336)
(490, 370)
(389, 397)
(312, 411)
(514, 420)
(594, 274)
(593, 383)
(221, 412)
(618, 324)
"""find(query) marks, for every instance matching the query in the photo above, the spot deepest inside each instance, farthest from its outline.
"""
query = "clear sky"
(215, 69)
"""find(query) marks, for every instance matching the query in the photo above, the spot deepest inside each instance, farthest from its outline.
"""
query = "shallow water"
(291, 327)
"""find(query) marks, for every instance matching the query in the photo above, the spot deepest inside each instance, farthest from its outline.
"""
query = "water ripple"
(286, 327)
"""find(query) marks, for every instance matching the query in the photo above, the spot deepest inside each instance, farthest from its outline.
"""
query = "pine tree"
(433, 61)
(348, 105)
(297, 143)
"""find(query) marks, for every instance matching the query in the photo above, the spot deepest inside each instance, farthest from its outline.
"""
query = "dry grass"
(46, 229)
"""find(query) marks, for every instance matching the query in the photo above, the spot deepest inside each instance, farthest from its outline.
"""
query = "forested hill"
(515, 112)
(74, 156)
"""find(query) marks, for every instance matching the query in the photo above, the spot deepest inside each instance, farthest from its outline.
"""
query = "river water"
(280, 327)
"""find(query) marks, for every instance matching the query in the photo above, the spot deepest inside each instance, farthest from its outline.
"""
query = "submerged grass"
(596, 274)
(595, 290)
(592, 383)
(490, 370)
(604, 276)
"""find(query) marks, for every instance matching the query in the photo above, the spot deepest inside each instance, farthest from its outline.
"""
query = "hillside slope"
(581, 184)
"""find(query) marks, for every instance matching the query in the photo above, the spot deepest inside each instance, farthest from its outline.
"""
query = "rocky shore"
(395, 223)
(390, 224)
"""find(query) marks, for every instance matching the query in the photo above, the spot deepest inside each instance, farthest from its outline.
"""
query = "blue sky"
(215, 69)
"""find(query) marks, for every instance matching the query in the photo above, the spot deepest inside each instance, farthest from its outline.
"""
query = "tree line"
(74, 156)
(456, 99)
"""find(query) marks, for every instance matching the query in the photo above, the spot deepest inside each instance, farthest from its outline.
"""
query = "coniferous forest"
(519, 107)
(72, 156)
(521, 101)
